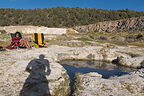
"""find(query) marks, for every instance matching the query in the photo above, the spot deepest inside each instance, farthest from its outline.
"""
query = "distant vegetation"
(61, 16)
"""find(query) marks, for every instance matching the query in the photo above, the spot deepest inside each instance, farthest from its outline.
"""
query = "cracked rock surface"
(92, 84)
(17, 71)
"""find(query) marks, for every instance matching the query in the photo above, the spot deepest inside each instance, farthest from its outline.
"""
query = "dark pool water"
(105, 69)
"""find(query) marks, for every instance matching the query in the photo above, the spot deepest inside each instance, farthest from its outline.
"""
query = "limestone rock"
(124, 25)
(127, 85)
(131, 62)
(104, 54)
(13, 74)
(94, 74)
(90, 53)
(23, 72)
(36, 29)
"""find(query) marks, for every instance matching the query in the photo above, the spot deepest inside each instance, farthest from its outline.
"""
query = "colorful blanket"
(15, 43)
(38, 39)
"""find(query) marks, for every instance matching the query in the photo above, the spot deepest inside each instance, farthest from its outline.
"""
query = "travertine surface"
(36, 29)
(15, 64)
(92, 84)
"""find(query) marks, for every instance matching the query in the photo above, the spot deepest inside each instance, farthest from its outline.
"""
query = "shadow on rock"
(37, 84)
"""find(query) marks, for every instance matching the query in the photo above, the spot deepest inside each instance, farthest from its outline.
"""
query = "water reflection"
(96, 65)
(105, 69)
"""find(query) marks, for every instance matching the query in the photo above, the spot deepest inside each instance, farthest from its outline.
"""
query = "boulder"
(131, 62)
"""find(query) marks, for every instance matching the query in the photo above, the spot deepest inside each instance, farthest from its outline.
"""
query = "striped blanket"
(15, 43)
(38, 39)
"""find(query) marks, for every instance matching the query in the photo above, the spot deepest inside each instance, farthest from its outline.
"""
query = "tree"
(62, 16)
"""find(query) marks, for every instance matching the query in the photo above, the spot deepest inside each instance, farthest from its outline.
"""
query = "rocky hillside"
(123, 25)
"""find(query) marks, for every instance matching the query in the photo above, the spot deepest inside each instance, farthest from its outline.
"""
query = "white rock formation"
(13, 64)
(131, 62)
(90, 53)
(36, 29)
(15, 78)
(127, 85)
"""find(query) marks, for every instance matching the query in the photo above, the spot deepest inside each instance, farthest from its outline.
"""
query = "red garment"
(15, 42)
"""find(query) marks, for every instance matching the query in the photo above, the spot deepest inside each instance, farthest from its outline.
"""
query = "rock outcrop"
(124, 25)
(131, 62)
(92, 84)
(122, 55)
(90, 53)
(37, 29)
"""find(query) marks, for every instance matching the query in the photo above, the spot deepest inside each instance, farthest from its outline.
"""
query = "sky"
(137, 5)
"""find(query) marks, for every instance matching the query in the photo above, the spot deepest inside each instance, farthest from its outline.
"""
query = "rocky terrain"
(36, 29)
(16, 77)
(17, 80)
(32, 72)
(92, 84)
(125, 25)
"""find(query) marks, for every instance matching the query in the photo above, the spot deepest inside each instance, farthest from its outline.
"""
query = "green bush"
(62, 16)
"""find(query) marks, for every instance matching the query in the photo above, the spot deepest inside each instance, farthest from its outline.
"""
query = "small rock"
(94, 74)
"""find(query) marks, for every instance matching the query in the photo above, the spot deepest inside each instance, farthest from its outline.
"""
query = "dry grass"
(5, 39)
(4, 43)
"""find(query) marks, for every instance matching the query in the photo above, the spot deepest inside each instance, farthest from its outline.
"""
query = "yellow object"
(38, 39)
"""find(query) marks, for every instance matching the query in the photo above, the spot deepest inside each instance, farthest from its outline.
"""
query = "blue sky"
(137, 5)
